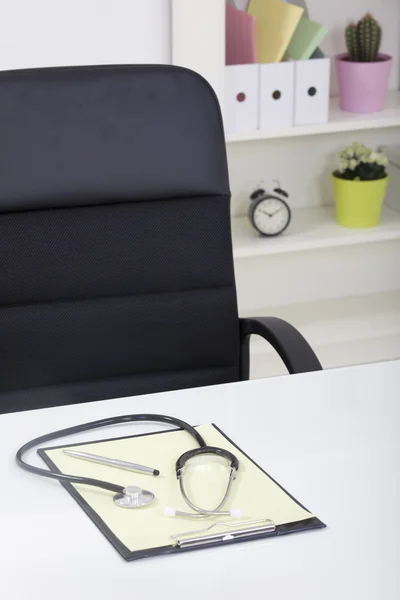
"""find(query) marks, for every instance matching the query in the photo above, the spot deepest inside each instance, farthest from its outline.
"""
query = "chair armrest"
(291, 346)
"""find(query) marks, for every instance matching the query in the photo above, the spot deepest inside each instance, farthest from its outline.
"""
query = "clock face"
(271, 216)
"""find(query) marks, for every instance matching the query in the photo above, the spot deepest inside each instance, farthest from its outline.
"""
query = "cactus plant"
(363, 40)
(352, 42)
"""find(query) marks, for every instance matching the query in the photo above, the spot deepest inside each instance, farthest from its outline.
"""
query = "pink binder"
(240, 37)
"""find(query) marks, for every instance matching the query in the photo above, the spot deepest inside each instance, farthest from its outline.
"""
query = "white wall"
(36, 33)
(198, 31)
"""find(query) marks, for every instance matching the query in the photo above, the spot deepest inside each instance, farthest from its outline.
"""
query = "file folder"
(306, 39)
(240, 37)
(276, 23)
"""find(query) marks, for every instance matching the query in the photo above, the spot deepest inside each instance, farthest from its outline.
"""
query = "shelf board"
(339, 121)
(310, 229)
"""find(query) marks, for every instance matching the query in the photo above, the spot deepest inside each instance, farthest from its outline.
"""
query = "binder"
(144, 532)
(241, 98)
(276, 96)
(312, 82)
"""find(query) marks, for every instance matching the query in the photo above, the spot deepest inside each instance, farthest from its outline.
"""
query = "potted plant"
(363, 72)
(360, 183)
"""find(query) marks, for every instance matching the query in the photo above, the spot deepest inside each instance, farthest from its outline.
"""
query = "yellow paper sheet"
(276, 22)
(139, 529)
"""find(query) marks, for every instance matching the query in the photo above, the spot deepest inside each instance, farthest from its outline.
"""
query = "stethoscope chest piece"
(133, 497)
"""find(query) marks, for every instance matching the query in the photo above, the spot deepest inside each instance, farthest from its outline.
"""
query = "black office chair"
(115, 243)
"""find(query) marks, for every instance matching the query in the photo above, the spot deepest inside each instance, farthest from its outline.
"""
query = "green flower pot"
(359, 203)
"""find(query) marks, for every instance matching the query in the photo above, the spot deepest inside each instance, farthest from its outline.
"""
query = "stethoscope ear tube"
(182, 460)
(95, 425)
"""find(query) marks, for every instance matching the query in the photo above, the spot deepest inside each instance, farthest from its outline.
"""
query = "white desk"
(331, 438)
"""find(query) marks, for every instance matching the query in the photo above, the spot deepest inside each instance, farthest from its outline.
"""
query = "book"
(276, 23)
(240, 37)
(306, 39)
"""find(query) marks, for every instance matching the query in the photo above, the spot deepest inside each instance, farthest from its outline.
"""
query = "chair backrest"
(116, 269)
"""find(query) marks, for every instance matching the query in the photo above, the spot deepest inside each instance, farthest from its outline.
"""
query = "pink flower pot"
(363, 85)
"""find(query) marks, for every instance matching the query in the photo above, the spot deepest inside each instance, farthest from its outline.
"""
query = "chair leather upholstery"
(116, 270)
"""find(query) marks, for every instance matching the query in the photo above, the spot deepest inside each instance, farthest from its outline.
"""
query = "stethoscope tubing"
(106, 485)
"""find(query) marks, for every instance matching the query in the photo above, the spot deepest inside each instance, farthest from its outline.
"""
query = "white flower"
(353, 164)
(382, 160)
(358, 153)
(359, 148)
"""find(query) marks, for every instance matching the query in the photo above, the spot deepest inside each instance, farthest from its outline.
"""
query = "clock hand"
(276, 212)
(265, 212)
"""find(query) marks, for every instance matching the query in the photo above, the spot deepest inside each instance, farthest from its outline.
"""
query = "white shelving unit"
(339, 121)
(311, 229)
(340, 287)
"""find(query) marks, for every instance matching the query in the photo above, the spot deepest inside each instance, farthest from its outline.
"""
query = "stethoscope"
(132, 496)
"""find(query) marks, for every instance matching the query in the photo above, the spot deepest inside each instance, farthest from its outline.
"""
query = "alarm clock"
(269, 213)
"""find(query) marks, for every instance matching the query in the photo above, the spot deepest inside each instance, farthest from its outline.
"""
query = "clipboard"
(99, 513)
